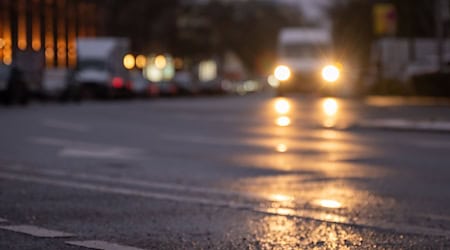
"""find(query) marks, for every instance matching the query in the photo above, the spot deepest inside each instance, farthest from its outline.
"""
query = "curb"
(405, 125)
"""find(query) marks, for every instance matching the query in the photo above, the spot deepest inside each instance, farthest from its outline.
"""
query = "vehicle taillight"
(117, 82)
(129, 85)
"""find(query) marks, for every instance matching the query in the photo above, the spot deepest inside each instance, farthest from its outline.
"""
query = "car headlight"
(330, 73)
(282, 73)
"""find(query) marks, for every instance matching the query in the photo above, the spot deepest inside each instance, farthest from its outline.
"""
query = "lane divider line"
(77, 127)
(303, 214)
(140, 183)
(36, 231)
(101, 245)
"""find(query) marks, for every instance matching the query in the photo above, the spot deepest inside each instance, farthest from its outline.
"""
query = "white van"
(306, 62)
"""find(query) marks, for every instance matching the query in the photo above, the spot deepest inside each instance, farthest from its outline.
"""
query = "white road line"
(3, 220)
(201, 140)
(139, 183)
(70, 148)
(301, 213)
(77, 127)
(121, 191)
(36, 231)
(102, 245)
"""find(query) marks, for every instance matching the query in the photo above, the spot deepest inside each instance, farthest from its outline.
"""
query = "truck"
(306, 62)
(100, 71)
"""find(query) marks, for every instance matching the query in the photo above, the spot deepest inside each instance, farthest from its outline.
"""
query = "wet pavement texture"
(252, 172)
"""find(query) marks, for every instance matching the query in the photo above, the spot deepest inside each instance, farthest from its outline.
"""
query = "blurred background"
(219, 46)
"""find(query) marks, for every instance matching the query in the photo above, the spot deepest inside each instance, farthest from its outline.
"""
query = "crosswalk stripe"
(36, 231)
(101, 245)
(3, 220)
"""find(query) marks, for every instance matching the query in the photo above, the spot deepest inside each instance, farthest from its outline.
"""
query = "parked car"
(13, 87)
(142, 87)
(426, 65)
(100, 70)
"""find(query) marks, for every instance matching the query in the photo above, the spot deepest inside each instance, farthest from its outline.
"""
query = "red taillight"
(117, 82)
(129, 85)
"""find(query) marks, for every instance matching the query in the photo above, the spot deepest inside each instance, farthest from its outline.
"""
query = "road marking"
(77, 127)
(3, 220)
(201, 140)
(36, 231)
(403, 124)
(79, 149)
(299, 213)
(139, 183)
(102, 245)
(121, 191)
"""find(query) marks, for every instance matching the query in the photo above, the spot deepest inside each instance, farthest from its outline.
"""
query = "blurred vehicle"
(100, 70)
(142, 87)
(56, 85)
(160, 71)
(306, 62)
(209, 81)
(167, 88)
(241, 87)
(184, 82)
(13, 87)
(427, 65)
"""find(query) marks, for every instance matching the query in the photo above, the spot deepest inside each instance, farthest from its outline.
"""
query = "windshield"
(305, 50)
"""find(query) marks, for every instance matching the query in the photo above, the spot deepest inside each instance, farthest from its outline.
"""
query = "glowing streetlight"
(129, 61)
(160, 61)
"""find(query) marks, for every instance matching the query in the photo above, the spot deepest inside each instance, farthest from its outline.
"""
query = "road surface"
(252, 172)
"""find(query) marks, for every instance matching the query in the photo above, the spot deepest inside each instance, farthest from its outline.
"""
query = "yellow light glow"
(36, 27)
(281, 211)
(160, 61)
(7, 60)
(283, 121)
(282, 148)
(282, 106)
(330, 106)
(281, 197)
(22, 25)
(129, 61)
(273, 81)
(282, 73)
(329, 203)
(141, 61)
(2, 43)
(36, 44)
(178, 62)
(330, 73)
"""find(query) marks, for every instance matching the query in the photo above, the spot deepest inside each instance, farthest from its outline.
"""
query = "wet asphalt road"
(249, 172)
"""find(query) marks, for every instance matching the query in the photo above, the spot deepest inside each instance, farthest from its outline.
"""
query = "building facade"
(46, 29)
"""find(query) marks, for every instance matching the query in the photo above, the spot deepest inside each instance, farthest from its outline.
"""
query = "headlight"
(282, 73)
(330, 73)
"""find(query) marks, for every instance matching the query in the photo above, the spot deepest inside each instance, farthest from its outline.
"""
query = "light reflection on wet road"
(293, 162)
(320, 176)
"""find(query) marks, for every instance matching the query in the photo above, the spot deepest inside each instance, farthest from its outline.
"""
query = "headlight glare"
(330, 73)
(282, 73)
